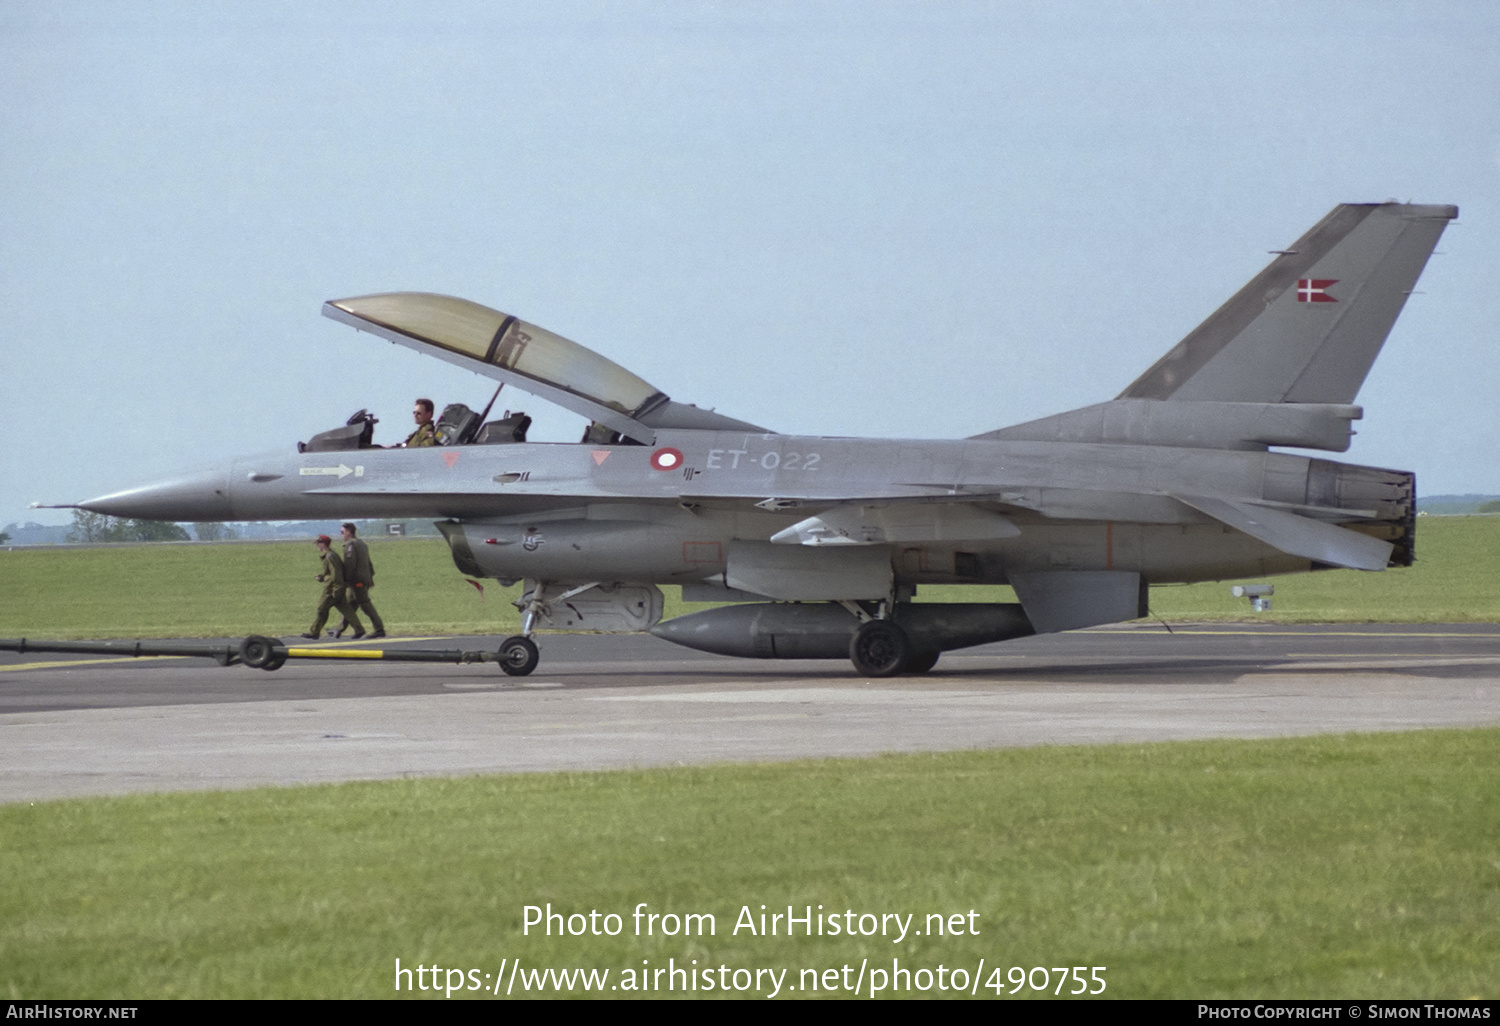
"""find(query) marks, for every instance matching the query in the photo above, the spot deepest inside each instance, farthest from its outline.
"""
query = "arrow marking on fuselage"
(339, 471)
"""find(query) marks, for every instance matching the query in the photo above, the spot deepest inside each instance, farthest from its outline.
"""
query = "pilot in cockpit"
(426, 433)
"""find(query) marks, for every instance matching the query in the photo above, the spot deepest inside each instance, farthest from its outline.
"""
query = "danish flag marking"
(1314, 290)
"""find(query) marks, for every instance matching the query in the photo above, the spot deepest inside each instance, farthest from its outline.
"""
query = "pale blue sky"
(908, 219)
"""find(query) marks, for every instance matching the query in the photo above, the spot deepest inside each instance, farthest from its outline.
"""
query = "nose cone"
(202, 496)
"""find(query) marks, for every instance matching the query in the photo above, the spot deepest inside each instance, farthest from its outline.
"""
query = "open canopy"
(508, 349)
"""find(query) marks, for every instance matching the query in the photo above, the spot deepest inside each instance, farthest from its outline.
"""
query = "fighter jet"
(815, 546)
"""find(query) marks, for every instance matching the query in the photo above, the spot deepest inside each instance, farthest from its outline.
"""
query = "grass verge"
(165, 591)
(1358, 865)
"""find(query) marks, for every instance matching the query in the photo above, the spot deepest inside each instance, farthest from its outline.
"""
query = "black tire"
(921, 662)
(260, 652)
(518, 656)
(879, 649)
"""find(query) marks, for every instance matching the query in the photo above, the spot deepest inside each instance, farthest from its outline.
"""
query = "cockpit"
(621, 408)
(459, 425)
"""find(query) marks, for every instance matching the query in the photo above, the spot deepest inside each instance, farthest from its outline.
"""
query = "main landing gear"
(880, 648)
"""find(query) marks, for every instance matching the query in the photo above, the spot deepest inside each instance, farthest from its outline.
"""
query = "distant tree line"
(96, 527)
(1493, 506)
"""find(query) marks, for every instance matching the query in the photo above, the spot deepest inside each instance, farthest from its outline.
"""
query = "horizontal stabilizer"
(1200, 425)
(1297, 535)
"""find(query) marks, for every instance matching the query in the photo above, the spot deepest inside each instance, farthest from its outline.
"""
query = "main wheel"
(879, 649)
(518, 656)
(920, 662)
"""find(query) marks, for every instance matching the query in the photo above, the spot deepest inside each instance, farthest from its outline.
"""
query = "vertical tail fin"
(1308, 327)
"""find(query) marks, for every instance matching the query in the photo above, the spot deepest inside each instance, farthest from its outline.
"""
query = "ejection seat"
(507, 430)
(460, 425)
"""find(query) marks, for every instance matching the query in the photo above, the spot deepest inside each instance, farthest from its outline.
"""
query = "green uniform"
(422, 436)
(333, 597)
(359, 578)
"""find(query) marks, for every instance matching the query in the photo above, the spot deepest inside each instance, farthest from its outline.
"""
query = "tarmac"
(73, 726)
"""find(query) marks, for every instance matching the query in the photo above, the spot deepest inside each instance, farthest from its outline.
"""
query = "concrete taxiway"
(73, 725)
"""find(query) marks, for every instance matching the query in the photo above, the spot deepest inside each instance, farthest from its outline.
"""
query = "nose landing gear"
(518, 656)
(518, 653)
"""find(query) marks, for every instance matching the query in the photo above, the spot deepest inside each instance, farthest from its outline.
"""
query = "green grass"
(1351, 866)
(1456, 579)
(1321, 867)
(230, 590)
(237, 589)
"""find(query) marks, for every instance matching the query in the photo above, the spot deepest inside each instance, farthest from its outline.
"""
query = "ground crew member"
(426, 432)
(359, 578)
(333, 591)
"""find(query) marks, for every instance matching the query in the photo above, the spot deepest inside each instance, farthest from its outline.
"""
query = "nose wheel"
(518, 656)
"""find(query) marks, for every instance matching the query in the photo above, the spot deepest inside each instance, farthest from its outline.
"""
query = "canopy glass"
(495, 340)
